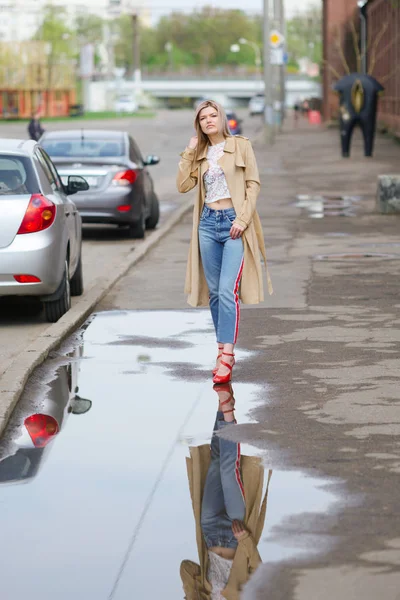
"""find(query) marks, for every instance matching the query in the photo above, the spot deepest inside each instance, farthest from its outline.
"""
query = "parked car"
(256, 105)
(29, 435)
(121, 189)
(40, 228)
(235, 124)
(125, 104)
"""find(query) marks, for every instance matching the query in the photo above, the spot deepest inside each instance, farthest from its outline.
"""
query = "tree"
(304, 36)
(54, 31)
(89, 28)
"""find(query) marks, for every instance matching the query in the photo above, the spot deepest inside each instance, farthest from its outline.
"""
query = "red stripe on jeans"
(236, 296)
(237, 472)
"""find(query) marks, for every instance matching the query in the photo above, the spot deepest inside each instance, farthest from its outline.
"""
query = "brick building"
(383, 51)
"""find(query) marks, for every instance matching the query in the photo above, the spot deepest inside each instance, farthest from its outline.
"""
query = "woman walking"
(224, 262)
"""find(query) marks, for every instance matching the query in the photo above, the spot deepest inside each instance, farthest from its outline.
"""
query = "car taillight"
(27, 279)
(42, 429)
(232, 123)
(39, 215)
(125, 177)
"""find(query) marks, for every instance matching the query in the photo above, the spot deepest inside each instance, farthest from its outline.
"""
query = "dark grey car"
(121, 189)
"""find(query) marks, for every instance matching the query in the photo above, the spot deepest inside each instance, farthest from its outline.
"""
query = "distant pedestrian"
(224, 262)
(296, 113)
(35, 128)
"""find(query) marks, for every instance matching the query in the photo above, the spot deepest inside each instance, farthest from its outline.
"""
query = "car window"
(134, 153)
(53, 171)
(45, 164)
(84, 147)
(17, 175)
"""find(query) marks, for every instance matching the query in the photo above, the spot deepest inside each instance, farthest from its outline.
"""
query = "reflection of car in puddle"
(29, 435)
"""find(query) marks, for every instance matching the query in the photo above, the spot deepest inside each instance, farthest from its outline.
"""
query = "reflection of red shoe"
(227, 388)
(225, 378)
(218, 357)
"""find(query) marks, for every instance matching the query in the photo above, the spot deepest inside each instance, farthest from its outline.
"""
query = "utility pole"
(268, 108)
(137, 74)
(279, 69)
(282, 28)
(135, 45)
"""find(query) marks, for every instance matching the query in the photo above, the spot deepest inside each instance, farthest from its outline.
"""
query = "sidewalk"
(326, 349)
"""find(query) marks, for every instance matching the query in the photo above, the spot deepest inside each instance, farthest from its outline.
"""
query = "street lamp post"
(169, 48)
(257, 52)
(362, 5)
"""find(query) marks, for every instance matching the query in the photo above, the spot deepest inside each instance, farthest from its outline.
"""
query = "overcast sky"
(159, 7)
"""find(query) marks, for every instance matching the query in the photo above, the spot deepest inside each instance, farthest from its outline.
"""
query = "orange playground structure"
(31, 80)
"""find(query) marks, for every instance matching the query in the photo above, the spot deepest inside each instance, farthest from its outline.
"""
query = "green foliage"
(89, 28)
(304, 36)
(202, 38)
(54, 31)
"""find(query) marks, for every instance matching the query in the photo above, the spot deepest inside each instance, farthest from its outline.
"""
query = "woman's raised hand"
(238, 529)
(193, 142)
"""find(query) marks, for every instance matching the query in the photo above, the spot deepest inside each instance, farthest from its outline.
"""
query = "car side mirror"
(75, 184)
(80, 406)
(151, 160)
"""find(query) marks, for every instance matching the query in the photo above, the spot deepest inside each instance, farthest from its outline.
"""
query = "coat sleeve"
(252, 180)
(186, 179)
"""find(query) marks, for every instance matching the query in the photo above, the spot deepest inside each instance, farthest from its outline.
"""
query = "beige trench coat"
(247, 558)
(240, 168)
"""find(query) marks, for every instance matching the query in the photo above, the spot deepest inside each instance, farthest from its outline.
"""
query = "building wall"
(383, 52)
(336, 16)
(384, 58)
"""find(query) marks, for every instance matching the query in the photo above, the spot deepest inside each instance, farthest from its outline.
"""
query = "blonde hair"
(203, 139)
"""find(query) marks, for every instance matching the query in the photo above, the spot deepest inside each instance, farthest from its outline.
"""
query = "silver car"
(257, 105)
(121, 187)
(40, 229)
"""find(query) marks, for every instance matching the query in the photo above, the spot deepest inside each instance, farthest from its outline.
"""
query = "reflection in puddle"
(119, 489)
(319, 207)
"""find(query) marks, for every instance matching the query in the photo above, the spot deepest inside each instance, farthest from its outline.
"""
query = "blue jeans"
(223, 498)
(222, 260)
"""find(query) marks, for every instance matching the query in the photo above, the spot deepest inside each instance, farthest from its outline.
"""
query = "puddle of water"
(357, 256)
(319, 207)
(106, 500)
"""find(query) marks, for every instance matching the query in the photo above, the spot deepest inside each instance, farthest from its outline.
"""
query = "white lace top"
(218, 573)
(214, 178)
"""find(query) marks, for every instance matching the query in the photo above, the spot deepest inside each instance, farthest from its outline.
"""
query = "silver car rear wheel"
(55, 309)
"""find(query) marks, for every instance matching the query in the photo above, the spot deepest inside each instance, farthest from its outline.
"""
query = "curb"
(13, 381)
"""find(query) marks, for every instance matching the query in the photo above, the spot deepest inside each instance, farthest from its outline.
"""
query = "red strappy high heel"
(230, 401)
(214, 371)
(225, 378)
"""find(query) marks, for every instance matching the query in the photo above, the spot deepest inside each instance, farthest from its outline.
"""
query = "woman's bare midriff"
(228, 553)
(222, 204)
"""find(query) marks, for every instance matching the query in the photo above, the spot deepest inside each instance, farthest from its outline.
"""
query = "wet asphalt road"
(103, 511)
(316, 388)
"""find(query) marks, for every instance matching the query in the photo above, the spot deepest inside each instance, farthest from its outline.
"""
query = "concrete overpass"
(235, 92)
